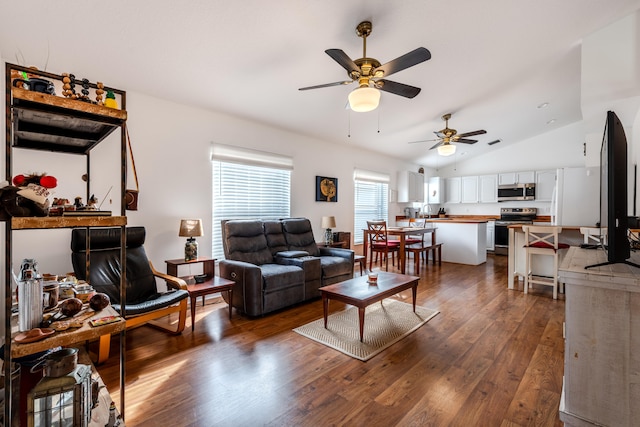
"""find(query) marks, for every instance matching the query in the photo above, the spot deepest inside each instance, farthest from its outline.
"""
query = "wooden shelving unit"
(40, 121)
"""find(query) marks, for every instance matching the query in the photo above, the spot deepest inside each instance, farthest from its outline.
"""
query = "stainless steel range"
(510, 216)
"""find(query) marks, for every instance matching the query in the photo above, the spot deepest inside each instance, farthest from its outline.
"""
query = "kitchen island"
(543, 265)
(464, 241)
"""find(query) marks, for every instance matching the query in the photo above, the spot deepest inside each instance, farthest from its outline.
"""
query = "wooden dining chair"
(379, 243)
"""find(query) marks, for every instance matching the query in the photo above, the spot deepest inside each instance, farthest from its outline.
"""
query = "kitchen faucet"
(428, 210)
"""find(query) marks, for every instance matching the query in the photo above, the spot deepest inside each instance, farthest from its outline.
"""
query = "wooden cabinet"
(435, 190)
(410, 187)
(469, 189)
(525, 177)
(488, 192)
(453, 193)
(602, 341)
(39, 121)
(545, 184)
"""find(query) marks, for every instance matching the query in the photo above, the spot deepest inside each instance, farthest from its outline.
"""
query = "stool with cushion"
(542, 240)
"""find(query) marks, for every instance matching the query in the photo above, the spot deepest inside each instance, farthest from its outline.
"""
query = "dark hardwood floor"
(492, 357)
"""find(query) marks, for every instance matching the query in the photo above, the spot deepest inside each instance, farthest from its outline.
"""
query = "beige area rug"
(384, 325)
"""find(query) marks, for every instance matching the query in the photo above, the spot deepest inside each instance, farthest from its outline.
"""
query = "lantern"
(61, 401)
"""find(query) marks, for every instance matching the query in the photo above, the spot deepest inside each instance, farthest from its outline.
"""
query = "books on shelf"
(86, 213)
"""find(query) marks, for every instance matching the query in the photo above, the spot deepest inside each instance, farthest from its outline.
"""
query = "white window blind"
(248, 191)
(371, 200)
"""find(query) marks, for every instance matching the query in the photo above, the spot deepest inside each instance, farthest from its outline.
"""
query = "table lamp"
(328, 222)
(191, 228)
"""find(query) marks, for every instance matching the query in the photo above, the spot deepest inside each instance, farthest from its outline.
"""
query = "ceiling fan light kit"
(364, 99)
(446, 149)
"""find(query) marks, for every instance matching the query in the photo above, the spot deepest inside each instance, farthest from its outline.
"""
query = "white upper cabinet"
(410, 187)
(453, 190)
(509, 178)
(469, 188)
(545, 183)
(488, 188)
(435, 191)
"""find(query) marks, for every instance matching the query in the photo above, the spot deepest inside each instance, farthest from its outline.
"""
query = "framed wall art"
(326, 189)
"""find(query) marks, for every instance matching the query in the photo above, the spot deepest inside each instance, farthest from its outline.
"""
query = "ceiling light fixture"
(543, 105)
(446, 149)
(552, 121)
(364, 99)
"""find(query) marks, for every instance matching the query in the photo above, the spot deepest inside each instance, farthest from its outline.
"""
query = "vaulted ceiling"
(493, 62)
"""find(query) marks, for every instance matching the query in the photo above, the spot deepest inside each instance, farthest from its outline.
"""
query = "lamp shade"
(191, 228)
(364, 99)
(328, 222)
(446, 149)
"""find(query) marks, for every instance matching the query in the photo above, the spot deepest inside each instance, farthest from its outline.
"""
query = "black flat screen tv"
(613, 193)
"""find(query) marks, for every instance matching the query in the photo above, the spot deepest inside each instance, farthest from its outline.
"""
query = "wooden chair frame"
(150, 317)
(379, 242)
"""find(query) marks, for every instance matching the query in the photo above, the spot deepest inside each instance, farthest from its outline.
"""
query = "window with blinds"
(251, 190)
(371, 200)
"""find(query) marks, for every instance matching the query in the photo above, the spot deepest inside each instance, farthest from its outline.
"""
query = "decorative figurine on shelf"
(68, 86)
(99, 92)
(113, 418)
(111, 100)
(91, 204)
(77, 202)
(28, 196)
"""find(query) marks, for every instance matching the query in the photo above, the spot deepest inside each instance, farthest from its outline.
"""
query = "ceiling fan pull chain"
(378, 120)
(349, 129)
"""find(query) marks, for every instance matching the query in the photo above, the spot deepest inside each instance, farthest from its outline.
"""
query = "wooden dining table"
(402, 233)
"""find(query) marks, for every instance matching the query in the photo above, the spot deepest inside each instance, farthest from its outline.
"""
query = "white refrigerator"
(576, 197)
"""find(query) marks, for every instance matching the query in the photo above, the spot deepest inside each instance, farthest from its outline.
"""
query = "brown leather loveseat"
(276, 263)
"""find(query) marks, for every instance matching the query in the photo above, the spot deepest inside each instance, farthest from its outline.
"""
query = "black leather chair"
(143, 301)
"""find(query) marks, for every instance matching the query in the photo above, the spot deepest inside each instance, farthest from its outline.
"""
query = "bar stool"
(594, 235)
(542, 240)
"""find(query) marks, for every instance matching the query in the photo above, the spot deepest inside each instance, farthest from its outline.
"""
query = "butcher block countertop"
(457, 220)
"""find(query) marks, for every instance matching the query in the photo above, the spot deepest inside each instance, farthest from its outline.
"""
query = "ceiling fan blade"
(437, 145)
(467, 141)
(407, 60)
(397, 88)
(346, 82)
(474, 133)
(423, 140)
(343, 59)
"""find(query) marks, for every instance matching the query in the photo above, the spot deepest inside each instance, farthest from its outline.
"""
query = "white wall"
(171, 145)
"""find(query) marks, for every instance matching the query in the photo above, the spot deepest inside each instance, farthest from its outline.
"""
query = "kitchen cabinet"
(469, 189)
(508, 178)
(452, 192)
(545, 184)
(49, 123)
(488, 192)
(410, 187)
(491, 233)
(435, 190)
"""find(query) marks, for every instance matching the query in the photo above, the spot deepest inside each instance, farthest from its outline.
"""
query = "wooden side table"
(211, 285)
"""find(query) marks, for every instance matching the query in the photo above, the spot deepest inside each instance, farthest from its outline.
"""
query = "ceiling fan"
(370, 75)
(447, 136)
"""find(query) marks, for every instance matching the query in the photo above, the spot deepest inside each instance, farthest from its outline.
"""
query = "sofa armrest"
(309, 264)
(339, 252)
(247, 292)
(292, 254)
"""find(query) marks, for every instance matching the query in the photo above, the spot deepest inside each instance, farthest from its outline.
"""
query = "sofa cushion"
(275, 236)
(277, 277)
(299, 235)
(333, 266)
(245, 241)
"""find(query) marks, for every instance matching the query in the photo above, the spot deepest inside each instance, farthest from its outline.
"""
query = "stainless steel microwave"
(516, 192)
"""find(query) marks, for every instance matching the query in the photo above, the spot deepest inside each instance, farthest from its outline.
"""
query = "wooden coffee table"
(359, 293)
